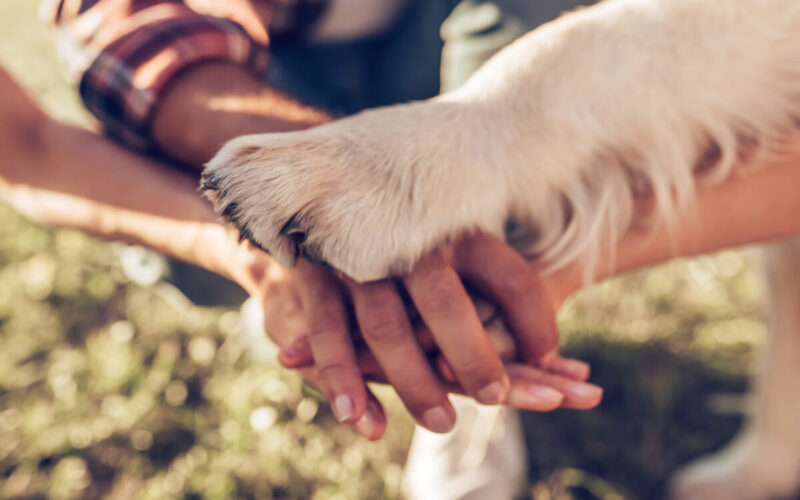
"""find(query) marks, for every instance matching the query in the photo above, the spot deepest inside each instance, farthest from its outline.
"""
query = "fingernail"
(291, 352)
(343, 407)
(545, 394)
(493, 393)
(297, 347)
(367, 424)
(537, 398)
(577, 369)
(445, 371)
(585, 391)
(437, 419)
(295, 356)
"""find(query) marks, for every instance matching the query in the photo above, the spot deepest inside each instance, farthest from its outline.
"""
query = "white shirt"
(354, 19)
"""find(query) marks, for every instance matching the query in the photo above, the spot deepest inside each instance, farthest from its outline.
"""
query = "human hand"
(447, 318)
(286, 320)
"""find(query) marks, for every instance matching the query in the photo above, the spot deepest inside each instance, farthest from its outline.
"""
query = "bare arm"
(212, 103)
(67, 176)
(182, 75)
(754, 208)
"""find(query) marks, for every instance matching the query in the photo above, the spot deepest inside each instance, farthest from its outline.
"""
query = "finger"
(505, 344)
(526, 395)
(372, 425)
(578, 395)
(297, 354)
(367, 362)
(331, 344)
(445, 371)
(523, 394)
(508, 279)
(571, 368)
(535, 389)
(450, 315)
(384, 324)
(369, 365)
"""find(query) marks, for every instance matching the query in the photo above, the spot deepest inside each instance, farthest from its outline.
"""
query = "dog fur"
(548, 145)
(554, 137)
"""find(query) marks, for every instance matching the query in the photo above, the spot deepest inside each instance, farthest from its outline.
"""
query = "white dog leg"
(555, 133)
(764, 461)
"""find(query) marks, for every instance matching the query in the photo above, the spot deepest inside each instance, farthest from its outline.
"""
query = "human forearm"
(749, 209)
(761, 206)
(81, 180)
(212, 103)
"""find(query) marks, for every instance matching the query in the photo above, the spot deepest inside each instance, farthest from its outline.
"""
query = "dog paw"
(753, 467)
(367, 195)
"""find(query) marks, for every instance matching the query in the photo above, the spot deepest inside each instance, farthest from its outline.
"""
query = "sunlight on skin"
(722, 216)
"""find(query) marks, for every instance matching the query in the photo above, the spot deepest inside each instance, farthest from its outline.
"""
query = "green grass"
(109, 389)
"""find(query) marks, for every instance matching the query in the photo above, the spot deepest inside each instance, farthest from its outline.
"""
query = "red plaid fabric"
(125, 53)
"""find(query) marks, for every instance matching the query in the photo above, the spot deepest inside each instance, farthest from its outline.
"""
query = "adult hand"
(283, 295)
(286, 319)
(447, 317)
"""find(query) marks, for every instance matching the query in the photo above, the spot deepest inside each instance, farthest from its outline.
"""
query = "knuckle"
(384, 328)
(419, 393)
(374, 296)
(317, 289)
(441, 289)
(323, 331)
(334, 369)
(326, 318)
(377, 295)
(418, 402)
(517, 282)
(473, 365)
(474, 370)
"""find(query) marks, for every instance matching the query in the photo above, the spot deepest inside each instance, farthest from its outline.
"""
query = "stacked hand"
(423, 335)
(338, 333)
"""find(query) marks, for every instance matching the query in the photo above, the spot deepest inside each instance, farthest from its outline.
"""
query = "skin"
(753, 208)
(213, 103)
(214, 97)
(43, 172)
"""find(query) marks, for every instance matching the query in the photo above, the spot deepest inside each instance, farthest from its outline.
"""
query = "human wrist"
(224, 253)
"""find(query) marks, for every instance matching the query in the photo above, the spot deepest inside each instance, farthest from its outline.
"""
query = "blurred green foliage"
(109, 389)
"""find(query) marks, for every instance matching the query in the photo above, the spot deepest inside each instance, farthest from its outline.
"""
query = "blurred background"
(118, 390)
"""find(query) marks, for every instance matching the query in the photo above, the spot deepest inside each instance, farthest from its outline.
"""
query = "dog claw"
(230, 211)
(314, 257)
(292, 227)
(246, 234)
(210, 181)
